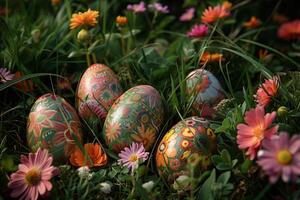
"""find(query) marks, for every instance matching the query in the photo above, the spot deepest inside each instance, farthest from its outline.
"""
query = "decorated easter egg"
(53, 124)
(97, 90)
(135, 117)
(204, 90)
(191, 137)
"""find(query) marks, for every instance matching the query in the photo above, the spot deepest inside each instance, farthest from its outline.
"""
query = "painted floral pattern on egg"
(98, 88)
(52, 124)
(205, 89)
(187, 137)
(135, 117)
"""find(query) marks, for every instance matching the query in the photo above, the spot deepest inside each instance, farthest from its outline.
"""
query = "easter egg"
(135, 117)
(97, 90)
(53, 124)
(191, 137)
(205, 90)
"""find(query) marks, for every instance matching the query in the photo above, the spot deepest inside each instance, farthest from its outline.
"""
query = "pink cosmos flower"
(266, 91)
(134, 155)
(280, 157)
(137, 8)
(198, 31)
(5, 75)
(257, 127)
(159, 7)
(188, 15)
(33, 177)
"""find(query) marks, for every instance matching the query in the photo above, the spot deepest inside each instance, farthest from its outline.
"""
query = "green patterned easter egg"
(53, 124)
(136, 116)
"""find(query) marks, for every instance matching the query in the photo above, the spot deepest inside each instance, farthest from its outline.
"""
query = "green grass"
(152, 49)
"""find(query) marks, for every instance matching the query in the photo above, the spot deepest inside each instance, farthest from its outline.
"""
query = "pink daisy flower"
(5, 75)
(159, 7)
(266, 92)
(198, 31)
(134, 155)
(33, 177)
(280, 157)
(137, 8)
(257, 127)
(188, 15)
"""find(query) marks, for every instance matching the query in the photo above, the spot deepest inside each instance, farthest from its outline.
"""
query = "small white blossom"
(84, 172)
(148, 186)
(105, 187)
(182, 183)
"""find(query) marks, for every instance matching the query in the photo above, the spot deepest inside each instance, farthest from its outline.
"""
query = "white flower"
(84, 172)
(182, 183)
(105, 187)
(148, 186)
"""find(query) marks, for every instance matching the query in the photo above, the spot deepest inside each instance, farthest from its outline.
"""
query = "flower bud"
(121, 21)
(105, 187)
(36, 35)
(83, 36)
(182, 183)
(55, 2)
(83, 172)
(148, 186)
(282, 111)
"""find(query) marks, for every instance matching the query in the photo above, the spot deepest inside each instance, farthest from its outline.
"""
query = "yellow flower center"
(258, 133)
(284, 157)
(33, 177)
(133, 158)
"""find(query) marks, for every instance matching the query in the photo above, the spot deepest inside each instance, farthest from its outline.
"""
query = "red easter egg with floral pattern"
(53, 124)
(97, 90)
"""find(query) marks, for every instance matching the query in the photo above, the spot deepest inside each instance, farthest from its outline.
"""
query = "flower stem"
(133, 185)
(88, 59)
(94, 58)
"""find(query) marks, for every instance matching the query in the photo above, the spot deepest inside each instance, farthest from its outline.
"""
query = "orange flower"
(212, 14)
(289, 30)
(93, 152)
(214, 57)
(252, 23)
(25, 86)
(121, 20)
(266, 91)
(227, 5)
(87, 18)
(263, 54)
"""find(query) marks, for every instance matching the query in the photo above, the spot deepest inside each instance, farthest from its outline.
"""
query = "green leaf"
(223, 166)
(226, 156)
(245, 166)
(216, 159)
(206, 189)
(224, 127)
(224, 178)
(142, 193)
